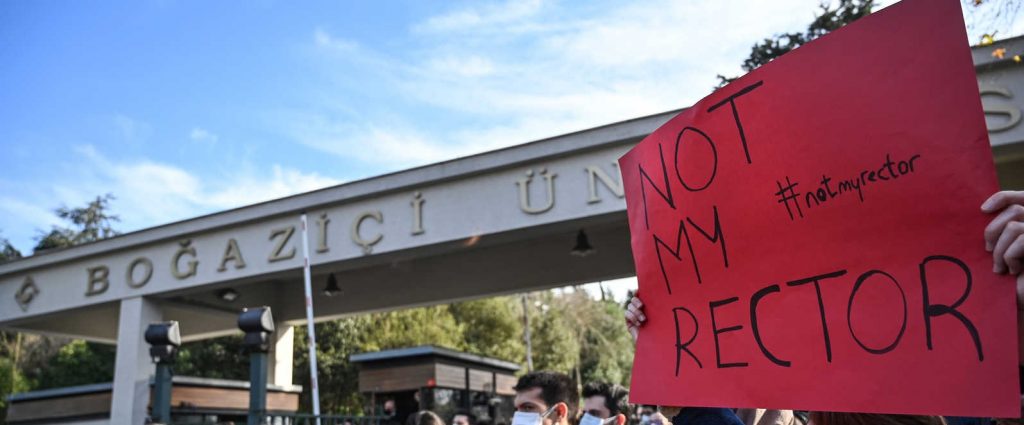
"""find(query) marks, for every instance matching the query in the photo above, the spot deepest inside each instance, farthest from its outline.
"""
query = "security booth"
(438, 379)
(193, 401)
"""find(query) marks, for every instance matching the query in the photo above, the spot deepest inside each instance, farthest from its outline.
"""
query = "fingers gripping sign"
(1004, 235)
(635, 317)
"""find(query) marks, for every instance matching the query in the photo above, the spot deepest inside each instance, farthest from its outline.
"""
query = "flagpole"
(314, 381)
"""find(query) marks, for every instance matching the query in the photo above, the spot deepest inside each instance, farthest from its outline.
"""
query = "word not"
(931, 310)
(888, 171)
(665, 193)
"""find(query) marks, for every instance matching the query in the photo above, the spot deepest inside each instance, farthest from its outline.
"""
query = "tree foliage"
(220, 358)
(7, 251)
(77, 363)
(90, 223)
(492, 327)
(827, 20)
(994, 18)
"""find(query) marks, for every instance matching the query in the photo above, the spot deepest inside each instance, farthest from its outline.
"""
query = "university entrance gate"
(496, 223)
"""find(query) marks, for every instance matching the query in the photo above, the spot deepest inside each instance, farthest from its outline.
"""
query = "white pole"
(309, 321)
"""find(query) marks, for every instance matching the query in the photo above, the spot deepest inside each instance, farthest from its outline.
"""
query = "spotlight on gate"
(227, 295)
(332, 288)
(164, 340)
(258, 324)
(583, 247)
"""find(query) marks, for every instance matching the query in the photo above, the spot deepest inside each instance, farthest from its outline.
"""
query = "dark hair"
(424, 417)
(835, 418)
(464, 412)
(614, 396)
(555, 388)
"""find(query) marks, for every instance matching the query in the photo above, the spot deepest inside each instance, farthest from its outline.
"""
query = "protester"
(1004, 238)
(463, 418)
(544, 398)
(603, 400)
(424, 417)
(389, 411)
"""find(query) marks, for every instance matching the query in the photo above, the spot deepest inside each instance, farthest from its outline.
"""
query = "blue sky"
(182, 108)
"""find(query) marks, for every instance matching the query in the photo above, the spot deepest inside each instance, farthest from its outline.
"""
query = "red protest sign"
(810, 237)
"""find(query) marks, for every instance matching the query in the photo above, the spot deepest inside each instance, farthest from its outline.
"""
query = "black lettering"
(824, 182)
(849, 312)
(904, 167)
(880, 174)
(666, 195)
(912, 159)
(888, 165)
(714, 165)
(731, 100)
(658, 244)
(718, 237)
(754, 300)
(821, 305)
(683, 346)
(809, 196)
(935, 310)
(716, 331)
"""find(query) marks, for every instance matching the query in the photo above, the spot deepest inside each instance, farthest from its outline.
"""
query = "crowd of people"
(551, 398)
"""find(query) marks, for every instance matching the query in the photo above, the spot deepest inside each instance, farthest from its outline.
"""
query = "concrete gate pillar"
(133, 367)
(280, 360)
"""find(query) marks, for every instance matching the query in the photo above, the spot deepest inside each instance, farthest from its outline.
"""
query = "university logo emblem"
(26, 293)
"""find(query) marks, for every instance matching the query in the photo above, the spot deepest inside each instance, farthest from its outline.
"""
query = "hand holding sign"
(807, 237)
(1004, 235)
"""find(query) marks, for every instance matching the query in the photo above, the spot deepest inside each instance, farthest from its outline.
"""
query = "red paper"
(881, 123)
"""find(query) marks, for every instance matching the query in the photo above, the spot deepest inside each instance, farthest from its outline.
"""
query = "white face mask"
(589, 419)
(530, 418)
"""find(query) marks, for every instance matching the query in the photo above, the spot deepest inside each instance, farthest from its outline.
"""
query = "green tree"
(555, 345)
(78, 363)
(7, 251)
(606, 349)
(492, 327)
(432, 325)
(11, 381)
(40, 362)
(90, 223)
(829, 19)
(338, 340)
(220, 358)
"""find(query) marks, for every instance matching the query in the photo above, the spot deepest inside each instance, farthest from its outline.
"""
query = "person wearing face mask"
(604, 404)
(544, 398)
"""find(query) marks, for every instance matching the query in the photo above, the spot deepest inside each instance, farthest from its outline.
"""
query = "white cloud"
(475, 17)
(488, 76)
(201, 135)
(131, 130)
(393, 146)
(472, 66)
(325, 39)
(147, 192)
